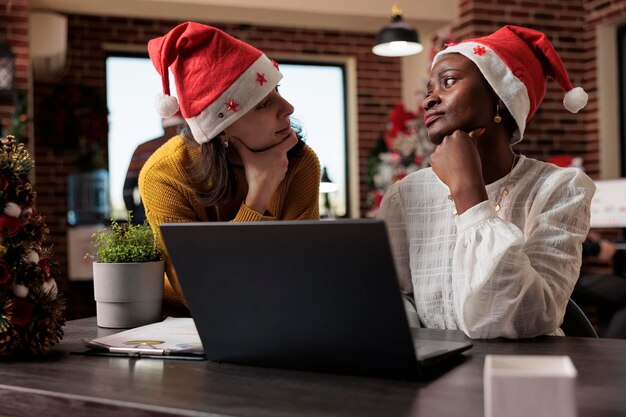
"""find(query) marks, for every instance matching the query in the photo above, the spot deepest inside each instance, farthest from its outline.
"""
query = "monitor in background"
(608, 207)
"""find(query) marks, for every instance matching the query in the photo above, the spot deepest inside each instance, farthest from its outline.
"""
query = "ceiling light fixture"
(397, 38)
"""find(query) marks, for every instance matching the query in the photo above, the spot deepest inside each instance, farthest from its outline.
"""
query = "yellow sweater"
(168, 198)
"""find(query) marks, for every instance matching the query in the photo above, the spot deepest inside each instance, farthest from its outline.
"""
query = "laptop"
(309, 295)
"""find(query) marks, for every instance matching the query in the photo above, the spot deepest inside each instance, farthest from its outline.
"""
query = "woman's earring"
(497, 117)
(225, 143)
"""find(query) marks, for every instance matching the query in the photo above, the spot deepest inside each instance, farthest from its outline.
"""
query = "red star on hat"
(480, 50)
(260, 78)
(232, 105)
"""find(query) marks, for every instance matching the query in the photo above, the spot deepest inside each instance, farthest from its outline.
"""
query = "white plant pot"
(128, 294)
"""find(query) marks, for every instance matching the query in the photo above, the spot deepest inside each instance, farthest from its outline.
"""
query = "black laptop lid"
(310, 295)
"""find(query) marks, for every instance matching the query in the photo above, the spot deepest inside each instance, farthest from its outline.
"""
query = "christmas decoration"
(77, 124)
(218, 78)
(516, 62)
(403, 149)
(31, 308)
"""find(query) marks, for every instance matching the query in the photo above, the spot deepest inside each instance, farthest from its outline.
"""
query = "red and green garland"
(31, 308)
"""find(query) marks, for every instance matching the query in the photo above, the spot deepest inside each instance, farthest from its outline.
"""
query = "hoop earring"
(497, 117)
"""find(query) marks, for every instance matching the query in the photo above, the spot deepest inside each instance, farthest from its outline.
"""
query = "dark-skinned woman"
(488, 241)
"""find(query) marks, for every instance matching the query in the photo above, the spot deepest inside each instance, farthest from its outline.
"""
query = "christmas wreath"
(31, 308)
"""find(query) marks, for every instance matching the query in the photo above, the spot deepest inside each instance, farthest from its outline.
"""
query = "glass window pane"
(318, 95)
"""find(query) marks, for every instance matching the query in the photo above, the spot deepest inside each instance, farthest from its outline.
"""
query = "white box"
(529, 385)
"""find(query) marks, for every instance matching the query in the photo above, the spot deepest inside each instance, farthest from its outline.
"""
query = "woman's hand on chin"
(264, 170)
(457, 163)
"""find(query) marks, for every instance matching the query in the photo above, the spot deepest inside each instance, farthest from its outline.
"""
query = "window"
(132, 84)
(317, 91)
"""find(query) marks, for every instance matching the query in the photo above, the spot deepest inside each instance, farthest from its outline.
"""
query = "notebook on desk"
(309, 295)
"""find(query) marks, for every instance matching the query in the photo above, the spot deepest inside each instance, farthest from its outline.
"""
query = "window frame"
(348, 65)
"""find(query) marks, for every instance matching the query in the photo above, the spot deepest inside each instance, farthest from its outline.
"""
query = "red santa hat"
(218, 78)
(516, 62)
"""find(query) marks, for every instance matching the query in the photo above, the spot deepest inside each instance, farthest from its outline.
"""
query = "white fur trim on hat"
(575, 99)
(506, 85)
(246, 92)
(166, 106)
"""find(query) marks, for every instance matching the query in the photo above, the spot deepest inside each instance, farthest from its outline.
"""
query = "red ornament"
(9, 226)
(260, 78)
(44, 264)
(232, 105)
(20, 312)
(480, 50)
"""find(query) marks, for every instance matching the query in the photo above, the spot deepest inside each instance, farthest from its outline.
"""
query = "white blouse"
(505, 274)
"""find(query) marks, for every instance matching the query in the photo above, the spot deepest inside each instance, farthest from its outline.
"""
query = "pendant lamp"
(397, 38)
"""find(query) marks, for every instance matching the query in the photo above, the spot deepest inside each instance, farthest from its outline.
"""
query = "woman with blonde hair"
(240, 158)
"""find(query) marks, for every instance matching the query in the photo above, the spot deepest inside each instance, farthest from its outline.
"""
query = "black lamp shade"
(7, 71)
(397, 39)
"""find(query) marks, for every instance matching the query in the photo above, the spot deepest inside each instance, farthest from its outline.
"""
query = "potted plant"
(127, 275)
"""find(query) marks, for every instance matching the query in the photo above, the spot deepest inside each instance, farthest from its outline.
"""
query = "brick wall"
(379, 87)
(596, 12)
(14, 31)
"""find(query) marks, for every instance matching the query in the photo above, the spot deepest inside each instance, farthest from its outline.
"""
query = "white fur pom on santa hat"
(516, 62)
(575, 99)
(166, 106)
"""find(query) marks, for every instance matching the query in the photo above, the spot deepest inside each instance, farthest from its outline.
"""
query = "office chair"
(575, 322)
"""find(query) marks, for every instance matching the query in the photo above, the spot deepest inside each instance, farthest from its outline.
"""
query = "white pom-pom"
(20, 291)
(575, 99)
(32, 257)
(50, 287)
(166, 106)
(12, 209)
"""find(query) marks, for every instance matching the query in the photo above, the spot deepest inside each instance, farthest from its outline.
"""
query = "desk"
(76, 385)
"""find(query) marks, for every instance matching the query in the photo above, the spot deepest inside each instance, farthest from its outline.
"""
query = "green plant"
(125, 242)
